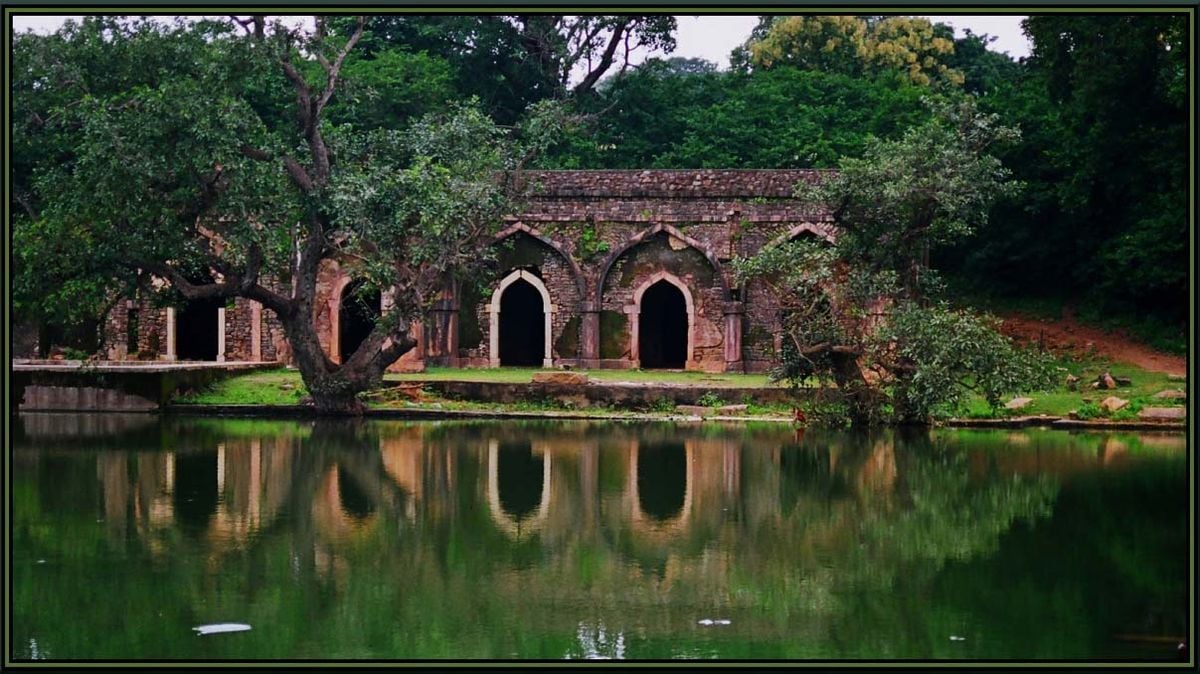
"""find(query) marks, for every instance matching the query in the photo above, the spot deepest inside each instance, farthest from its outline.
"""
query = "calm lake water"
(464, 540)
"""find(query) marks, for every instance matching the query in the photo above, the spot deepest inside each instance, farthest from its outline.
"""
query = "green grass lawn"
(264, 387)
(1061, 400)
(523, 375)
(284, 387)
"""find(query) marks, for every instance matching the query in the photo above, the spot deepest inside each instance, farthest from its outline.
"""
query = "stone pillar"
(589, 346)
(170, 355)
(442, 332)
(221, 334)
(734, 312)
(255, 331)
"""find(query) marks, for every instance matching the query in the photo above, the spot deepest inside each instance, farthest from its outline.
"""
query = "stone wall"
(592, 239)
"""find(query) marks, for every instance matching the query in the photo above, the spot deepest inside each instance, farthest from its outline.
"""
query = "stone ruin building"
(603, 268)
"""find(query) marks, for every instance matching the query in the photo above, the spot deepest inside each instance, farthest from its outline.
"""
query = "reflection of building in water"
(222, 495)
(519, 486)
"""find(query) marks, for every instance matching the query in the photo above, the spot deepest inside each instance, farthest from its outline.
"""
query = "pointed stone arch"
(494, 315)
(823, 232)
(644, 236)
(572, 265)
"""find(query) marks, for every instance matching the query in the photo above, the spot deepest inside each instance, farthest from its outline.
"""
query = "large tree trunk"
(860, 395)
(334, 388)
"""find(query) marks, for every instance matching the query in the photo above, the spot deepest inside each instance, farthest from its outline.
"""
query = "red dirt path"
(1068, 335)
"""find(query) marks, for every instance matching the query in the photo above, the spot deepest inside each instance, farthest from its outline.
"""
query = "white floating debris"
(41, 561)
(955, 637)
(706, 622)
(723, 621)
(218, 628)
(709, 621)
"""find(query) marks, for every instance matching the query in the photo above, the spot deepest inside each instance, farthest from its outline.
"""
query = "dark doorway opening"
(519, 476)
(663, 327)
(196, 327)
(522, 325)
(662, 479)
(195, 495)
(359, 309)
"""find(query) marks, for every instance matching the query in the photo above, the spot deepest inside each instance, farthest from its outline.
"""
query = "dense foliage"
(132, 122)
(221, 170)
(863, 312)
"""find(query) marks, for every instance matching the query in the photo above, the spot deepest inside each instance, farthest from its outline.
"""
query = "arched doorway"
(520, 318)
(663, 327)
(197, 328)
(522, 313)
(359, 308)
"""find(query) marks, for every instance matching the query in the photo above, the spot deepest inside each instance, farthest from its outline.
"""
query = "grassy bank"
(284, 387)
(1084, 400)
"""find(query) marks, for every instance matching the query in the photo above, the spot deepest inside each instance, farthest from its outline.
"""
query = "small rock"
(1177, 377)
(1171, 394)
(1017, 403)
(1107, 381)
(732, 409)
(694, 410)
(1112, 404)
(1072, 382)
(1095, 384)
(221, 628)
(576, 378)
(1162, 414)
(286, 387)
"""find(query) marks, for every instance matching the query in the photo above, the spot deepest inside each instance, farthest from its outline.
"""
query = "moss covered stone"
(614, 334)
(567, 345)
(656, 254)
(470, 334)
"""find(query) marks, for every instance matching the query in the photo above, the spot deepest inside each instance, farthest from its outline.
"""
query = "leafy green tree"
(663, 116)
(905, 46)
(1102, 104)
(512, 61)
(185, 178)
(864, 313)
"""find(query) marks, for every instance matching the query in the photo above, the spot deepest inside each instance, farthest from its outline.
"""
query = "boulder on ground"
(732, 409)
(1162, 414)
(1112, 404)
(1017, 403)
(694, 410)
(577, 378)
(1107, 382)
(1171, 394)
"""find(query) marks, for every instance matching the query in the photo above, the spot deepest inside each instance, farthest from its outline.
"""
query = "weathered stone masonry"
(592, 243)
